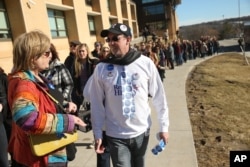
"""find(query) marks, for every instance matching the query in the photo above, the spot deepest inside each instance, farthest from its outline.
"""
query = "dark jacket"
(95, 54)
(80, 82)
(69, 63)
(3, 97)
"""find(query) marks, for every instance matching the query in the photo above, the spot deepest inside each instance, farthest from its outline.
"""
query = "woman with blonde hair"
(33, 111)
(83, 68)
(104, 52)
(152, 55)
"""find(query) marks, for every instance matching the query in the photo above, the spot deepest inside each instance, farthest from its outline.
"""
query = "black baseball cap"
(117, 28)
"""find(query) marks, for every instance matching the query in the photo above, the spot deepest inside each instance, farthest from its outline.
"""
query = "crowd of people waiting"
(71, 76)
(168, 54)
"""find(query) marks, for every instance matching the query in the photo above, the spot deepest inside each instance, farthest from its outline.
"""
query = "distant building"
(62, 21)
(158, 15)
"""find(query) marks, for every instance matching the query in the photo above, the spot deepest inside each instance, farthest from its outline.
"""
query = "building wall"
(169, 17)
(25, 16)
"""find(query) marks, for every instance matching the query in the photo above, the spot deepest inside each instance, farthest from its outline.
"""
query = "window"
(158, 25)
(91, 21)
(154, 10)
(57, 23)
(108, 5)
(88, 2)
(4, 23)
(148, 1)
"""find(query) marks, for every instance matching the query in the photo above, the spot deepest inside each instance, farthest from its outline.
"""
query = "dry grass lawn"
(218, 97)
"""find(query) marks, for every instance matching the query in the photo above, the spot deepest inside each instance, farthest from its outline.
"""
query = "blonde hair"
(105, 47)
(28, 47)
(78, 60)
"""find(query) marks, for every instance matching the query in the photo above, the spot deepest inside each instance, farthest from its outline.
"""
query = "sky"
(198, 11)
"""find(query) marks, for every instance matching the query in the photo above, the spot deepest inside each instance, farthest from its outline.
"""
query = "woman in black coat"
(3, 119)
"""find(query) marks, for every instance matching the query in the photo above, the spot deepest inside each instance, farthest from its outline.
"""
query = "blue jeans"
(128, 152)
(103, 160)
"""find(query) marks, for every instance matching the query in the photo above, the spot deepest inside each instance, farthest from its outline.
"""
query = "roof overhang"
(58, 6)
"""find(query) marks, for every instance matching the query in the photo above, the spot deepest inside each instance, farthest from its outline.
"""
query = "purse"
(42, 144)
(86, 117)
(84, 114)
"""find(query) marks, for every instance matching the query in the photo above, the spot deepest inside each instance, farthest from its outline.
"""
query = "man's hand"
(164, 136)
(99, 148)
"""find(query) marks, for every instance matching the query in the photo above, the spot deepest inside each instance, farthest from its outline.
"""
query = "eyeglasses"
(47, 54)
(114, 39)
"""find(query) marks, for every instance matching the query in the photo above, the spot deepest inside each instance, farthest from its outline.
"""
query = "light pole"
(239, 7)
(239, 18)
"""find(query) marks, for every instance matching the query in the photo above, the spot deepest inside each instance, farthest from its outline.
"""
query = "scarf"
(130, 57)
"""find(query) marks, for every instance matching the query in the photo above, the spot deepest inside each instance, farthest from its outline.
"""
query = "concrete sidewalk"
(180, 150)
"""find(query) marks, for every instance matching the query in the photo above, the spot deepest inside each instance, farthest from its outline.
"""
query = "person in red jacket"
(33, 111)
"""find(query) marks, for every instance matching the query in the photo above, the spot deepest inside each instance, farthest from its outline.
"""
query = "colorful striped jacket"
(34, 112)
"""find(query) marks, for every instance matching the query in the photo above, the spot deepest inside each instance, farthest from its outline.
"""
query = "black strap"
(130, 57)
(51, 97)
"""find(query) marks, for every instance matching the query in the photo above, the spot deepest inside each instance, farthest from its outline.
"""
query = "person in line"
(152, 55)
(120, 89)
(84, 65)
(161, 66)
(170, 55)
(143, 48)
(97, 51)
(166, 36)
(103, 159)
(69, 61)
(145, 33)
(203, 50)
(178, 53)
(216, 45)
(59, 75)
(33, 111)
(3, 117)
(104, 52)
(60, 79)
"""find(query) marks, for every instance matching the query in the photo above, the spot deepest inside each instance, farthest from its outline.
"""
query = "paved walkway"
(180, 150)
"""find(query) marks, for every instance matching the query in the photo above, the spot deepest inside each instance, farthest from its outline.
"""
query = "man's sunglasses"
(114, 39)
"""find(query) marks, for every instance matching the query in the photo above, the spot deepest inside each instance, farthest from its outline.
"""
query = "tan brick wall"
(25, 16)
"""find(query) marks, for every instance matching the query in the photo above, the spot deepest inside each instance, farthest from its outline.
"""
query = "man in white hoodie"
(119, 92)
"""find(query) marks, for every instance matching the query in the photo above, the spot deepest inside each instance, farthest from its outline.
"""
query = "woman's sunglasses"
(47, 53)
(105, 51)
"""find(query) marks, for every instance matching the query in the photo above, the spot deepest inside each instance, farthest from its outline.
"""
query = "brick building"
(62, 21)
